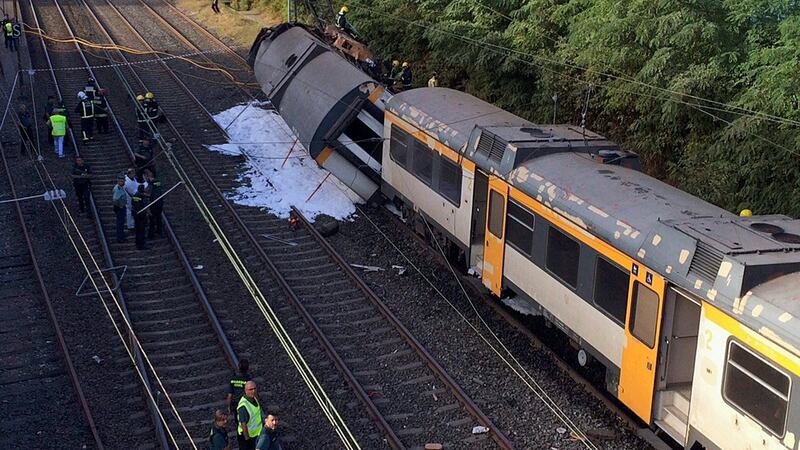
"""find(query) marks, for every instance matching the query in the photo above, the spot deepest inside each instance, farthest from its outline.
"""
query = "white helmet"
(82, 95)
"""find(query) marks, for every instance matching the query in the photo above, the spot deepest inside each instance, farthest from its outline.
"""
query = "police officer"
(82, 182)
(218, 438)
(156, 206)
(58, 129)
(143, 158)
(91, 88)
(250, 419)
(141, 117)
(101, 111)
(138, 203)
(236, 386)
(86, 109)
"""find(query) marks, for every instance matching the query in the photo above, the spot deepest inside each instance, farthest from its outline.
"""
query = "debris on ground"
(479, 429)
(367, 268)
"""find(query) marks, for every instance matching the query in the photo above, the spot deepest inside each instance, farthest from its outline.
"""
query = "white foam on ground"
(265, 139)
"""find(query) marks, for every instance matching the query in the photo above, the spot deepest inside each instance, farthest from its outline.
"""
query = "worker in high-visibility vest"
(250, 420)
(8, 31)
(58, 129)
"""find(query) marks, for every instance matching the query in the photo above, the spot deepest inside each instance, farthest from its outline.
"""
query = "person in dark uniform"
(48, 111)
(101, 111)
(218, 438)
(91, 88)
(82, 181)
(25, 128)
(151, 108)
(141, 117)
(138, 203)
(154, 186)
(120, 201)
(406, 76)
(143, 158)
(236, 386)
(86, 109)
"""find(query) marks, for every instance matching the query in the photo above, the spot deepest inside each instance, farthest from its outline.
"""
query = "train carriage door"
(494, 248)
(642, 328)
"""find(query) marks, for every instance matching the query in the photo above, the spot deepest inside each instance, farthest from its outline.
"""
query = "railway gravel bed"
(40, 408)
(487, 379)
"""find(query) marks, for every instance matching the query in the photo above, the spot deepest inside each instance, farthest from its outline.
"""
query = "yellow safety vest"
(59, 124)
(9, 29)
(254, 422)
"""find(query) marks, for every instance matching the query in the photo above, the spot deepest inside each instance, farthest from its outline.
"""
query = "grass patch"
(240, 26)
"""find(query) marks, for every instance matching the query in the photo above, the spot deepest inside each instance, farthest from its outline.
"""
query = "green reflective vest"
(59, 124)
(9, 29)
(254, 422)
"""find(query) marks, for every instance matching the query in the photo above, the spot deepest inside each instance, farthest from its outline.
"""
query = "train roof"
(698, 246)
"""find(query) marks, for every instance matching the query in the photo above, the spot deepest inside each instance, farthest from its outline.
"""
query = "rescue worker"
(143, 157)
(342, 23)
(406, 76)
(151, 108)
(746, 213)
(218, 438)
(58, 129)
(156, 227)
(48, 110)
(236, 387)
(433, 82)
(250, 419)
(91, 88)
(120, 200)
(141, 117)
(86, 109)
(8, 32)
(25, 127)
(138, 203)
(82, 182)
(101, 111)
(269, 434)
(394, 73)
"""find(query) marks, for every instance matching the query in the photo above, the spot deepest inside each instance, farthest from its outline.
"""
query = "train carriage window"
(757, 388)
(644, 314)
(611, 289)
(450, 180)
(519, 226)
(422, 161)
(562, 256)
(496, 208)
(398, 146)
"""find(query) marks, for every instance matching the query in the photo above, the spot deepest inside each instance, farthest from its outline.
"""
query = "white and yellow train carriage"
(692, 310)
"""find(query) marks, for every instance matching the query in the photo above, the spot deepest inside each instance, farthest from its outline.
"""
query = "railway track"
(166, 305)
(410, 397)
(40, 384)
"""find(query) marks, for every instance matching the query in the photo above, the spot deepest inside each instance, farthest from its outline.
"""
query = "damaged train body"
(334, 109)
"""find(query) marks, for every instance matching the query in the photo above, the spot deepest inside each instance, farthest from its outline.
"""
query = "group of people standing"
(138, 206)
(256, 429)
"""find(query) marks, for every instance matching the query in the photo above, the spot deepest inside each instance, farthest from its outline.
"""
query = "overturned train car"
(334, 109)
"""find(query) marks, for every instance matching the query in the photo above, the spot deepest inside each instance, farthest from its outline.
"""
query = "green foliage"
(701, 89)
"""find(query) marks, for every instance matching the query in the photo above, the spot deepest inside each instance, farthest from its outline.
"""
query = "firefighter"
(86, 109)
(141, 117)
(91, 88)
(342, 23)
(151, 108)
(406, 76)
(101, 110)
(394, 72)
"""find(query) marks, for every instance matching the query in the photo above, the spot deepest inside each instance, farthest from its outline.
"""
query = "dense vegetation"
(704, 90)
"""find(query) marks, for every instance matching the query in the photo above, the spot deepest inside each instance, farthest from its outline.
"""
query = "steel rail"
(431, 362)
(51, 314)
(395, 441)
(160, 433)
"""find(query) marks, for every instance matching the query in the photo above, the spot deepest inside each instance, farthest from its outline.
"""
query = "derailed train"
(693, 311)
